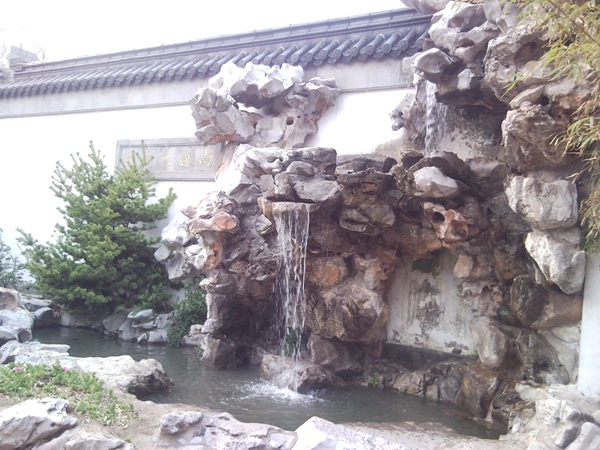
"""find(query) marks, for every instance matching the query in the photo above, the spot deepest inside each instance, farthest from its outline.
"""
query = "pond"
(249, 399)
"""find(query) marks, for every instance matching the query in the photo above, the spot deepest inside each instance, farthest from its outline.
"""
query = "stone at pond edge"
(26, 423)
(195, 430)
(219, 353)
(299, 376)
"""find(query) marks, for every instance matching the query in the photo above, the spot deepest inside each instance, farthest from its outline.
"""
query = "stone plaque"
(173, 158)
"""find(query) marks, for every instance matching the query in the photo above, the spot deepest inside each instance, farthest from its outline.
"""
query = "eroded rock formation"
(509, 215)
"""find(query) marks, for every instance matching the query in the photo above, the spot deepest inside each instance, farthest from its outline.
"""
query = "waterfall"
(436, 126)
(292, 226)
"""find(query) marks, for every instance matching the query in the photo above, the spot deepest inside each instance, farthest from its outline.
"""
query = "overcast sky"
(67, 28)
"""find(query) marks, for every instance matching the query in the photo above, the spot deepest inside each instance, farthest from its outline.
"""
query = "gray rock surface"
(544, 205)
(33, 420)
(558, 256)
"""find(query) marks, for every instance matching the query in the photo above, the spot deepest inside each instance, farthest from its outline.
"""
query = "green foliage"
(11, 268)
(84, 391)
(189, 310)
(156, 298)
(574, 52)
(374, 381)
(102, 258)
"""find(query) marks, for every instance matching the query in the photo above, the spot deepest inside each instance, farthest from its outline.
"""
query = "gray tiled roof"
(388, 34)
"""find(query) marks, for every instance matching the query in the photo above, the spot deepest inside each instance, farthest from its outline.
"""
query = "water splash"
(436, 125)
(292, 224)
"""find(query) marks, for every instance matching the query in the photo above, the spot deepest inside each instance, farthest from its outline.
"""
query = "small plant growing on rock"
(189, 310)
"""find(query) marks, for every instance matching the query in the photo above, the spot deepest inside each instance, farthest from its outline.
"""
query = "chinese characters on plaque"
(172, 159)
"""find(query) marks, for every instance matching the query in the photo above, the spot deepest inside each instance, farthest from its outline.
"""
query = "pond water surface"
(244, 395)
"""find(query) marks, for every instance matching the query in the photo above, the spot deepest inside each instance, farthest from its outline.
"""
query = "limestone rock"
(10, 299)
(526, 135)
(320, 434)
(46, 317)
(337, 357)
(588, 439)
(299, 376)
(26, 423)
(494, 343)
(219, 353)
(113, 323)
(175, 234)
(191, 430)
(349, 312)
(430, 182)
(461, 30)
(426, 6)
(121, 372)
(326, 271)
(558, 257)
(20, 320)
(436, 66)
(479, 386)
(543, 205)
(93, 441)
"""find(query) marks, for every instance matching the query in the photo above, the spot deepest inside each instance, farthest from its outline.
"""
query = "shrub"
(189, 310)
(102, 259)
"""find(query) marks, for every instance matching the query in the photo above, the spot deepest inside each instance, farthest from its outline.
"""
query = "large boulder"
(558, 256)
(26, 423)
(196, 430)
(350, 312)
(544, 205)
(121, 372)
(299, 376)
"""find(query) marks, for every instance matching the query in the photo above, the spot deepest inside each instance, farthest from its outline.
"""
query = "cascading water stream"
(292, 226)
(436, 126)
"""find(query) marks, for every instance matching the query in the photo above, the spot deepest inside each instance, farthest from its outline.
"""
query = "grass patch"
(84, 391)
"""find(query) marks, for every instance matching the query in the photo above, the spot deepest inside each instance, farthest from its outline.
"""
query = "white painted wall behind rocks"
(425, 311)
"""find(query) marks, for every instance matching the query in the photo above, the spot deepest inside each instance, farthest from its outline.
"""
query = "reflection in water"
(249, 399)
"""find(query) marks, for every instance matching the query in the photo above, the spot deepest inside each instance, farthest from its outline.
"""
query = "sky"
(62, 29)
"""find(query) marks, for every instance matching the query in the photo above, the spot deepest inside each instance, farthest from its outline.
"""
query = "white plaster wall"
(359, 121)
(425, 311)
(589, 350)
(30, 148)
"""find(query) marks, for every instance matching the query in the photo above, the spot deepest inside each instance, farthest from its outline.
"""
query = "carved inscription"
(172, 159)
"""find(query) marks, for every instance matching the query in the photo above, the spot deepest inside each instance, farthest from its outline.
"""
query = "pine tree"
(102, 258)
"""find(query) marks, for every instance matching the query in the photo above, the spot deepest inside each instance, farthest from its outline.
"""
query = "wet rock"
(558, 257)
(26, 423)
(337, 357)
(326, 271)
(543, 205)
(299, 376)
(527, 300)
(479, 386)
(349, 312)
(494, 343)
(219, 353)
